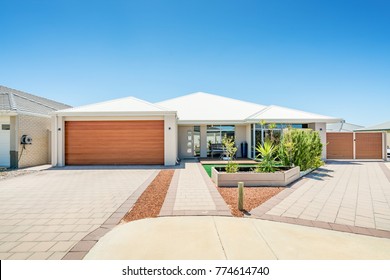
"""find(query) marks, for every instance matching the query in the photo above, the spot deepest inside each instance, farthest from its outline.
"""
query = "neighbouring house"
(356, 143)
(134, 131)
(25, 128)
(342, 127)
(385, 129)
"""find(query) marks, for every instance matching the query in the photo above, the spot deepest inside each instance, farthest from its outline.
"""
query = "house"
(24, 118)
(385, 129)
(134, 131)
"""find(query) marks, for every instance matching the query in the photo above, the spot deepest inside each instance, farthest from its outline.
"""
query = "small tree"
(231, 150)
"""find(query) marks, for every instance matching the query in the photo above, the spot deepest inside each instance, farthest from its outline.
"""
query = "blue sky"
(327, 57)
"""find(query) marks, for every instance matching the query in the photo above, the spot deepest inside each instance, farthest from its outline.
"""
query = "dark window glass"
(5, 127)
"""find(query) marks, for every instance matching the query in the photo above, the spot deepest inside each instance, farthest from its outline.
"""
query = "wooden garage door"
(340, 145)
(368, 145)
(114, 142)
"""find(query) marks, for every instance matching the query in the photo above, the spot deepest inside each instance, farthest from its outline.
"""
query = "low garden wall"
(252, 179)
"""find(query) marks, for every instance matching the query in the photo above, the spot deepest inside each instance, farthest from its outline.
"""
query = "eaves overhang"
(113, 114)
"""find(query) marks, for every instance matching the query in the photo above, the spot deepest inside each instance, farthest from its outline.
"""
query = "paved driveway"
(43, 215)
(349, 196)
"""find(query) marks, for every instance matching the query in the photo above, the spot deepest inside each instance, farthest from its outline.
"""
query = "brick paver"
(352, 196)
(193, 193)
(45, 214)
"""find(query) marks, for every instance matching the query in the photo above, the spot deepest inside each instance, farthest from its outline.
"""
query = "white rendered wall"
(321, 128)
(170, 140)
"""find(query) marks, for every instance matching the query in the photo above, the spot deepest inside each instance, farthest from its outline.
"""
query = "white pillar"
(61, 141)
(54, 140)
(249, 137)
(170, 140)
(203, 141)
(321, 128)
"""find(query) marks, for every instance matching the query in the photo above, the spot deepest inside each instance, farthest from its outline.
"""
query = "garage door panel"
(114, 142)
(340, 145)
(369, 146)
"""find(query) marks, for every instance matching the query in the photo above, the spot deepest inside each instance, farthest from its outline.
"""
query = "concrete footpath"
(220, 238)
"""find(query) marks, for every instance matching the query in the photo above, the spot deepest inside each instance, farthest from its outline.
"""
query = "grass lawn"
(208, 167)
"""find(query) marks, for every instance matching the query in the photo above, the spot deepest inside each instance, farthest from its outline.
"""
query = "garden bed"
(253, 197)
(209, 167)
(150, 202)
(283, 177)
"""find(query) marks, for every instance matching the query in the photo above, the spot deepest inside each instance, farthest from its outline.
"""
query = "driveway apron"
(45, 214)
(346, 196)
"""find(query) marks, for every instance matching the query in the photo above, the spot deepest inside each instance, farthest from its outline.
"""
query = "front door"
(190, 143)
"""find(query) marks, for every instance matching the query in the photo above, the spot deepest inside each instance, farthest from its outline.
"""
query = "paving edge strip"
(81, 249)
(260, 213)
(385, 170)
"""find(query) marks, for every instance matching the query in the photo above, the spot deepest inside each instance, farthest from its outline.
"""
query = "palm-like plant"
(267, 153)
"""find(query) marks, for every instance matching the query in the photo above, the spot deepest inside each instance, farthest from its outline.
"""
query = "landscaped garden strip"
(253, 197)
(150, 202)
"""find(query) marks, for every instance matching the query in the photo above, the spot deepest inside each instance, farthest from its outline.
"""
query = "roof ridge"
(212, 94)
(34, 101)
(259, 112)
(12, 102)
(150, 103)
(297, 110)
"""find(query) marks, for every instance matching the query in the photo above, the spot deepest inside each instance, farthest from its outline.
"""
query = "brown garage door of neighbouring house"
(369, 145)
(340, 145)
(114, 142)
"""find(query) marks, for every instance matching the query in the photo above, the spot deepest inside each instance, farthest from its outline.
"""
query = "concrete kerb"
(79, 251)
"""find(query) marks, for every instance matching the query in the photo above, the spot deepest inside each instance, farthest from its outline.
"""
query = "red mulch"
(253, 197)
(150, 202)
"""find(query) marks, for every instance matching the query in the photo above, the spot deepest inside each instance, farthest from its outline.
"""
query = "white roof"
(198, 108)
(201, 107)
(379, 127)
(279, 114)
(123, 106)
(342, 127)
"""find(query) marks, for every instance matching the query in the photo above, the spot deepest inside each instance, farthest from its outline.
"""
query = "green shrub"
(232, 167)
(301, 148)
(231, 150)
(267, 152)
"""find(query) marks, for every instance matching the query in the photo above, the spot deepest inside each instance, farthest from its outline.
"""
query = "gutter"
(112, 114)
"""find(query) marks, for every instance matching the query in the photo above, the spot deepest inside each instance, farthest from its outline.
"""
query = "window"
(215, 133)
(5, 127)
(260, 133)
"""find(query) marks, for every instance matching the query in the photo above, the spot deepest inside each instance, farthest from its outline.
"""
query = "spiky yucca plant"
(267, 153)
